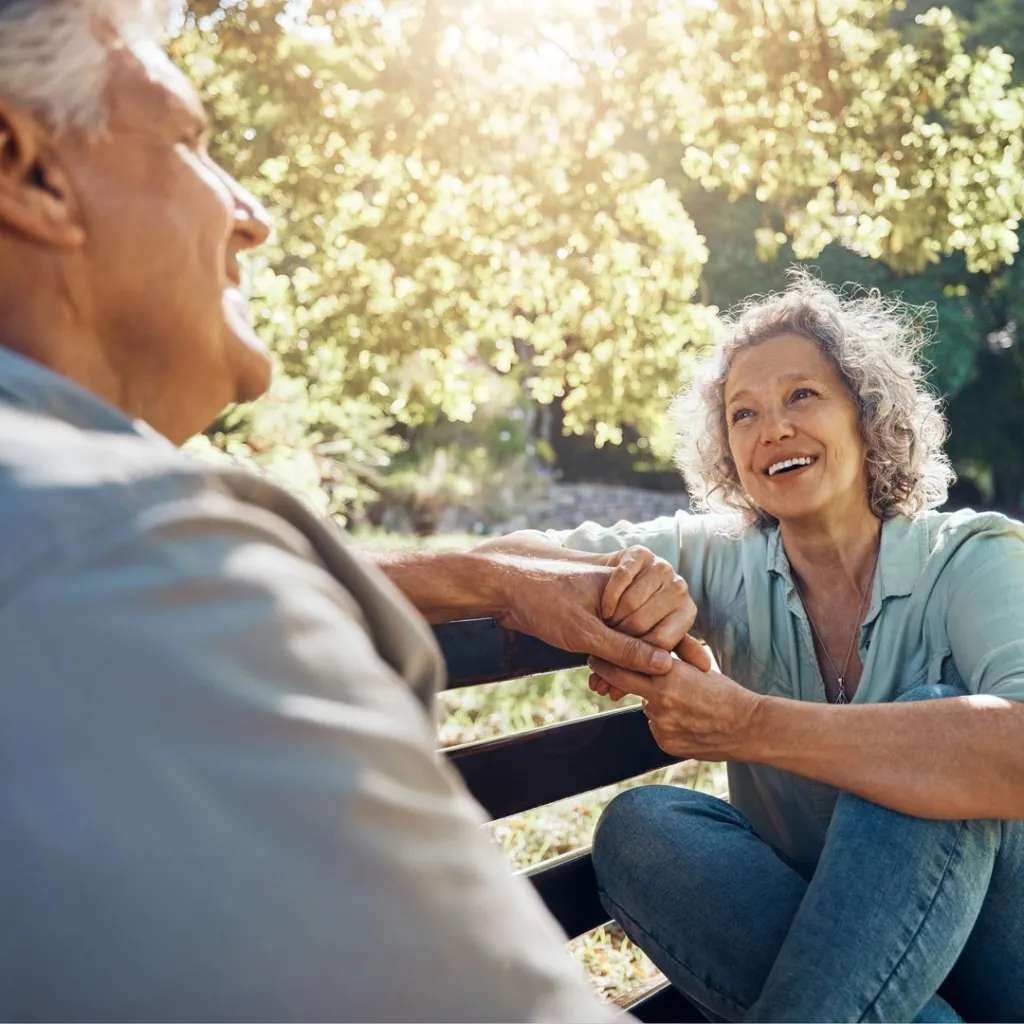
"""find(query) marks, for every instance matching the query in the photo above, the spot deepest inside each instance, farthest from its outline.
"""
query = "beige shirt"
(219, 797)
(947, 606)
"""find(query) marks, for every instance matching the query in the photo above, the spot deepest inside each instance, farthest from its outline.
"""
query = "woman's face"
(784, 401)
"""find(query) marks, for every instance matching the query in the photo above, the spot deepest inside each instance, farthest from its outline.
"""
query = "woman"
(870, 864)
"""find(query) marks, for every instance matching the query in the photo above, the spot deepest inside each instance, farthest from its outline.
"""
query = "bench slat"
(483, 651)
(532, 768)
(568, 887)
(660, 1003)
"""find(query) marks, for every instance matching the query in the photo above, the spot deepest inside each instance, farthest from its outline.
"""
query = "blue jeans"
(897, 909)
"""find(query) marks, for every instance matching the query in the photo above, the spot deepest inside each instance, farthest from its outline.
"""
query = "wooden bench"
(515, 773)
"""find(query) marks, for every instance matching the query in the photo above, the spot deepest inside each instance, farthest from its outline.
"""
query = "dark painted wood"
(532, 768)
(568, 886)
(664, 1005)
(515, 773)
(483, 651)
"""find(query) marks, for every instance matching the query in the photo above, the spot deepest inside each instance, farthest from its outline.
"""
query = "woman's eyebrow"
(788, 378)
(797, 378)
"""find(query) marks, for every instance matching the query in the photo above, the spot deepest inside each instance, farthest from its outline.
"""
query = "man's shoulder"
(70, 496)
(61, 484)
(30, 439)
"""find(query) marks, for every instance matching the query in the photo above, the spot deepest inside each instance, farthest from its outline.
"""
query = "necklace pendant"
(841, 699)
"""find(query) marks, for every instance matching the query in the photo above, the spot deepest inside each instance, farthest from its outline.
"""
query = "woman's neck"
(836, 556)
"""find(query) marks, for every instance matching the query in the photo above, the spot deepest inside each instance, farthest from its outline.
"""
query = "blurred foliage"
(614, 964)
(330, 452)
(464, 475)
(468, 189)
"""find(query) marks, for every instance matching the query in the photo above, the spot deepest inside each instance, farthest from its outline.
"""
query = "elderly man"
(218, 795)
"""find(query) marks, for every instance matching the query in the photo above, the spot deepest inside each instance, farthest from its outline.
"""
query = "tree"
(474, 187)
(975, 357)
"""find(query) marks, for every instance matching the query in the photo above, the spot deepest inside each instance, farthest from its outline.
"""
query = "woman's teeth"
(778, 467)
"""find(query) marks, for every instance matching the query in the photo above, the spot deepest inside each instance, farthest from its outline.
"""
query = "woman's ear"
(36, 200)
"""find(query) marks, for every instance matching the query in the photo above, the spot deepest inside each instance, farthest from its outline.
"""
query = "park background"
(505, 228)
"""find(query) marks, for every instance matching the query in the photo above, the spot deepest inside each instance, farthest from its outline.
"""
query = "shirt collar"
(32, 386)
(901, 559)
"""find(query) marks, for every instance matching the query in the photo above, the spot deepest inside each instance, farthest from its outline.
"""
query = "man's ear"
(36, 201)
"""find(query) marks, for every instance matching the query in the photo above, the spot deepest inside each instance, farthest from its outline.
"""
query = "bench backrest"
(515, 773)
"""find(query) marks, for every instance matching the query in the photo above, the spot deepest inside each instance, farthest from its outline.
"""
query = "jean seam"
(921, 924)
(621, 915)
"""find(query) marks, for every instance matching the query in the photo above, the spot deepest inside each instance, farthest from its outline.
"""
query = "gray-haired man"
(218, 797)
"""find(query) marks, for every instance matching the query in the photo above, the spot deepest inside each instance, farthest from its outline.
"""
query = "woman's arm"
(959, 757)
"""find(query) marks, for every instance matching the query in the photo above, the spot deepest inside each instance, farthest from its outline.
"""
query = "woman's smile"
(785, 471)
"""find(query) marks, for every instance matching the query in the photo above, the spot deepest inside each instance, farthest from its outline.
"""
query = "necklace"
(841, 676)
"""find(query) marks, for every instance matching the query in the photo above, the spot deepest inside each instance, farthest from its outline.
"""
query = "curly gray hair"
(874, 343)
(52, 60)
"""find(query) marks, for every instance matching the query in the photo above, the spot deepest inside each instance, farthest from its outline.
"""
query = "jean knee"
(640, 826)
(630, 815)
(931, 691)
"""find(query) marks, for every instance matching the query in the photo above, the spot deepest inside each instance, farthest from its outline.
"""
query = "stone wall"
(567, 505)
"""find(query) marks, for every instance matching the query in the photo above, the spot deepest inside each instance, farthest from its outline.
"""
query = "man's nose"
(252, 222)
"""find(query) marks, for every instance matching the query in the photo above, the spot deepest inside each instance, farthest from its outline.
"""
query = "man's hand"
(560, 602)
(692, 713)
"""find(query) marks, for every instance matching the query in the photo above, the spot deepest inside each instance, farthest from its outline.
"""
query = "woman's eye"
(741, 414)
(801, 393)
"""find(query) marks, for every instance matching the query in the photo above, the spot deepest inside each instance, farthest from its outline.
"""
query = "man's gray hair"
(874, 342)
(53, 57)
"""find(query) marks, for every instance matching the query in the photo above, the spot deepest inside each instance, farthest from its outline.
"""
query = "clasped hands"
(632, 613)
(692, 711)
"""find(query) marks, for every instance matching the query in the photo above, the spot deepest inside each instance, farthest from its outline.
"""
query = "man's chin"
(252, 361)
(254, 372)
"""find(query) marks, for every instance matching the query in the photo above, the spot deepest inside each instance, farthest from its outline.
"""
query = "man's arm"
(556, 599)
(219, 802)
(536, 544)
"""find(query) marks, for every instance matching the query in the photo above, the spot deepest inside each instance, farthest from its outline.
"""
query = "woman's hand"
(692, 713)
(646, 598)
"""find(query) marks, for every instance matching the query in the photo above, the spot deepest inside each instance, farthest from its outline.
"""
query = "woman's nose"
(775, 426)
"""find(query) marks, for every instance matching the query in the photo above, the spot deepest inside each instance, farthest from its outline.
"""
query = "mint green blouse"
(947, 606)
